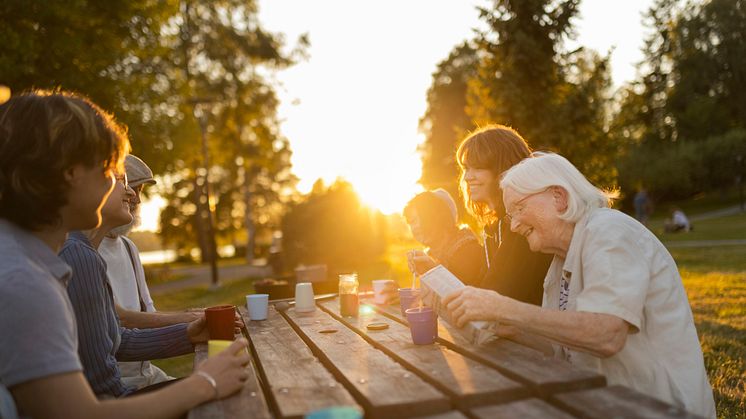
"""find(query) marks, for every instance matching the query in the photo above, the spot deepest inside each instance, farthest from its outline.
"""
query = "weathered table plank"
(453, 414)
(380, 384)
(617, 402)
(248, 403)
(544, 375)
(468, 382)
(299, 383)
(524, 409)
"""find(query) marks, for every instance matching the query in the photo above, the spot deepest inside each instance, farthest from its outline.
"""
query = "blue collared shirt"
(37, 322)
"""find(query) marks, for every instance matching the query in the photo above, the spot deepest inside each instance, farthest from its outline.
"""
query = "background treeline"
(677, 130)
(173, 70)
(164, 68)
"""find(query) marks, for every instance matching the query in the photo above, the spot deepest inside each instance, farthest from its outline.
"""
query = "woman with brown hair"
(512, 269)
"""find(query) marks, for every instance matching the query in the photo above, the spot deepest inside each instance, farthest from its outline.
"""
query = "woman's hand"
(228, 368)
(419, 262)
(474, 304)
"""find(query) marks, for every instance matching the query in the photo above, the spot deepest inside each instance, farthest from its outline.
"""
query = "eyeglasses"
(520, 206)
(122, 179)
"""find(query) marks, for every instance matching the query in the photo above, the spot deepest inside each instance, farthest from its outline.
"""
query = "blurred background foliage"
(677, 130)
(175, 70)
(331, 226)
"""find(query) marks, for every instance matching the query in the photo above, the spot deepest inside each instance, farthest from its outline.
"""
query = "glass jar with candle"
(348, 298)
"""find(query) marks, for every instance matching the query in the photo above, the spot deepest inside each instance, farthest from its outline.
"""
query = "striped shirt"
(102, 341)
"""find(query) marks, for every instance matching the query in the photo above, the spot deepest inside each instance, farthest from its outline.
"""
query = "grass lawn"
(159, 273)
(718, 300)
(715, 279)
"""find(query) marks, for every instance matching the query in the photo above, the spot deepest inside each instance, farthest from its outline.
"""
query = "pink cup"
(408, 298)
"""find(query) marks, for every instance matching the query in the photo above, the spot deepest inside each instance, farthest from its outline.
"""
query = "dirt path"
(195, 276)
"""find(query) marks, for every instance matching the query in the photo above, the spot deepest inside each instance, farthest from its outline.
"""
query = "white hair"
(544, 170)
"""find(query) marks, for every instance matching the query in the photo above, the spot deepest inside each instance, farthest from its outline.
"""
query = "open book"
(439, 282)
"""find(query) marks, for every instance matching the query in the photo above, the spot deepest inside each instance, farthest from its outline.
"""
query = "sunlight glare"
(150, 213)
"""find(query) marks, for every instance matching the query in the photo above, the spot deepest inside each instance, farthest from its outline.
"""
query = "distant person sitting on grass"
(58, 153)
(678, 222)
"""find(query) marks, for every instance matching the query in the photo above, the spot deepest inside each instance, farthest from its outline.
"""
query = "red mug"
(221, 322)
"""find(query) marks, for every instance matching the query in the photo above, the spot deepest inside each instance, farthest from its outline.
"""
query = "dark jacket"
(463, 256)
(515, 271)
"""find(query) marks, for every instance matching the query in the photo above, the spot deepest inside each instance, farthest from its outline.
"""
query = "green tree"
(445, 122)
(76, 45)
(709, 69)
(581, 121)
(519, 77)
(683, 119)
(520, 74)
(217, 64)
(146, 61)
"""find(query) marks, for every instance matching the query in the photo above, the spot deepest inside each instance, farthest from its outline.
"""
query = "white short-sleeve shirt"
(616, 266)
(127, 280)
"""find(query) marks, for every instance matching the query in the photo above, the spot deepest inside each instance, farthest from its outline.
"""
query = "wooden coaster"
(377, 326)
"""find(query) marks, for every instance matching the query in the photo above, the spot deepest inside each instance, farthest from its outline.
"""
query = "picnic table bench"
(304, 362)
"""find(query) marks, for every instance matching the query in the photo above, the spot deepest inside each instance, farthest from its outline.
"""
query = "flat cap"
(138, 172)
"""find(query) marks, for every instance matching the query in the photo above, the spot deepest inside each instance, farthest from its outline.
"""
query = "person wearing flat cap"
(126, 276)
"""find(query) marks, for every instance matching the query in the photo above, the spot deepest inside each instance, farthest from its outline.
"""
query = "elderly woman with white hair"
(613, 297)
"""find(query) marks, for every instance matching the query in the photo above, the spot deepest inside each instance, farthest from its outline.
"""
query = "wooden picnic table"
(304, 362)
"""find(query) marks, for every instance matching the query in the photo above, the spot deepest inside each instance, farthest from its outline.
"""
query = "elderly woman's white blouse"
(616, 266)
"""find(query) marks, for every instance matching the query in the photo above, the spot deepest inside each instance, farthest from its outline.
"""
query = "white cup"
(304, 301)
(378, 286)
(257, 305)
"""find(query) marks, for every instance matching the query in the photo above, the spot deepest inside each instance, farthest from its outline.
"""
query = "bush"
(681, 170)
(332, 227)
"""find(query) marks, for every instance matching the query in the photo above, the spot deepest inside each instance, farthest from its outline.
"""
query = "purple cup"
(423, 323)
(408, 298)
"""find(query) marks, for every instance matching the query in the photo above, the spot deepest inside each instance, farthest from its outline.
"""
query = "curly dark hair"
(42, 134)
(496, 148)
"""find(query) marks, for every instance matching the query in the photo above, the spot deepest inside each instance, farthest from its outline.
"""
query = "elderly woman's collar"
(572, 259)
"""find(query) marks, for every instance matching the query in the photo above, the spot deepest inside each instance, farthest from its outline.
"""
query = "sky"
(352, 108)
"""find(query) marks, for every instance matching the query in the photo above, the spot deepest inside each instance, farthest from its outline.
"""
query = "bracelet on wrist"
(210, 380)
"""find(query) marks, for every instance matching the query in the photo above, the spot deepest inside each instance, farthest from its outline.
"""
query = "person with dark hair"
(512, 269)
(58, 156)
(433, 218)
